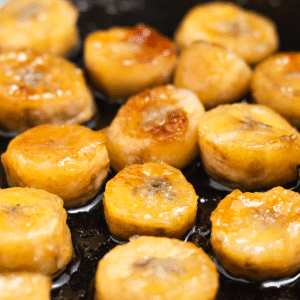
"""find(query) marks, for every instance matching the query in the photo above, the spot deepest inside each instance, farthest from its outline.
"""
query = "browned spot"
(255, 169)
(166, 124)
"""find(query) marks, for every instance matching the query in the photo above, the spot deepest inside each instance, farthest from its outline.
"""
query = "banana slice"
(156, 268)
(159, 124)
(24, 285)
(275, 83)
(249, 147)
(67, 160)
(42, 25)
(249, 34)
(123, 61)
(256, 235)
(34, 235)
(38, 89)
(149, 199)
(215, 74)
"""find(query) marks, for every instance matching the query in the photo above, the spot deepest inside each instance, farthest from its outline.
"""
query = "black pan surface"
(90, 234)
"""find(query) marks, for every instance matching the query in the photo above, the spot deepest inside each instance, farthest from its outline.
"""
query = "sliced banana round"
(67, 160)
(256, 235)
(156, 268)
(24, 285)
(214, 73)
(40, 88)
(149, 199)
(34, 235)
(42, 25)
(276, 83)
(158, 124)
(247, 33)
(248, 146)
(123, 61)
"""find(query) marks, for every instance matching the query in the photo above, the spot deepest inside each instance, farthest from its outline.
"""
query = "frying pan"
(91, 237)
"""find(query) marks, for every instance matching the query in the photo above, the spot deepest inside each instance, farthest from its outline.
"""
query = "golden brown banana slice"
(123, 61)
(24, 285)
(256, 235)
(159, 124)
(215, 74)
(276, 83)
(67, 160)
(249, 147)
(249, 34)
(156, 268)
(42, 25)
(149, 199)
(38, 89)
(34, 235)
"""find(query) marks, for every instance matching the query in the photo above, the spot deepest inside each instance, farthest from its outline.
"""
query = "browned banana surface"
(247, 33)
(276, 83)
(149, 199)
(215, 74)
(159, 124)
(123, 61)
(256, 235)
(67, 160)
(156, 268)
(40, 88)
(42, 25)
(248, 146)
(34, 235)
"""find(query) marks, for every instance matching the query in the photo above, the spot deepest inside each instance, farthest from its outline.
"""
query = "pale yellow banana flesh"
(70, 161)
(156, 268)
(41, 89)
(216, 75)
(275, 83)
(24, 285)
(34, 235)
(249, 147)
(123, 61)
(256, 235)
(159, 124)
(250, 35)
(42, 25)
(149, 199)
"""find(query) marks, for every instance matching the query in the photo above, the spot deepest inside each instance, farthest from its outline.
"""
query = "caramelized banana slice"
(256, 235)
(276, 83)
(42, 25)
(215, 74)
(250, 35)
(38, 89)
(123, 61)
(158, 124)
(67, 160)
(24, 285)
(156, 268)
(249, 147)
(34, 235)
(149, 199)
